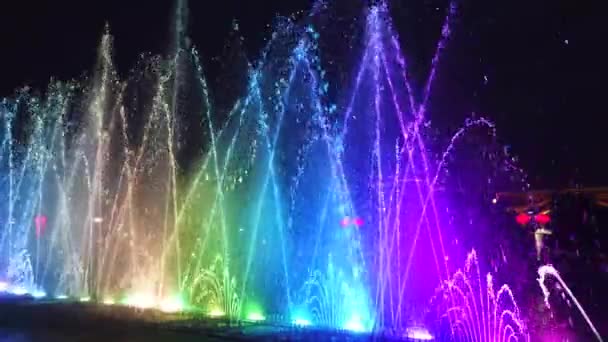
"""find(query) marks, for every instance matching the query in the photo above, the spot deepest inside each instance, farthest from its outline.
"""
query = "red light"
(40, 222)
(358, 222)
(523, 219)
(542, 219)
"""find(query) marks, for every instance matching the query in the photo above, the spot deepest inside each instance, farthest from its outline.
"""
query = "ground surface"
(76, 335)
(29, 321)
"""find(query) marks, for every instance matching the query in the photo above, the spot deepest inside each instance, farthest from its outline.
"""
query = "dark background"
(544, 62)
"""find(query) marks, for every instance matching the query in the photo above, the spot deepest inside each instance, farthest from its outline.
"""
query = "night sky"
(536, 68)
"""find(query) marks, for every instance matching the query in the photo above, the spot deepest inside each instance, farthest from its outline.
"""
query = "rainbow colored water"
(151, 197)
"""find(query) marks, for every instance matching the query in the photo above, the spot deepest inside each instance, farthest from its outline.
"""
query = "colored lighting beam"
(378, 52)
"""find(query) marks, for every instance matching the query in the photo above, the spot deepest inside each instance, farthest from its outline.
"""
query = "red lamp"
(542, 219)
(523, 219)
(40, 221)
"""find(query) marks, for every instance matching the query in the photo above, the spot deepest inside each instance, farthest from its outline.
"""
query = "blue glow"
(38, 294)
(18, 291)
(301, 322)
(354, 324)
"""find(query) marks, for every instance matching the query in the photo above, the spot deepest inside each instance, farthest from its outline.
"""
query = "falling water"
(548, 270)
(295, 205)
(475, 311)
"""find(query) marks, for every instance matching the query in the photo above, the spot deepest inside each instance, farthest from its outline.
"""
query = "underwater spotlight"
(354, 325)
(418, 334)
(255, 317)
(38, 294)
(216, 313)
(172, 305)
(18, 291)
(301, 322)
(141, 301)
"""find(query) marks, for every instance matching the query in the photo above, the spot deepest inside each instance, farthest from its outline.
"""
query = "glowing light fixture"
(255, 316)
(141, 301)
(38, 294)
(61, 297)
(40, 221)
(216, 313)
(345, 221)
(523, 219)
(358, 221)
(85, 299)
(354, 324)
(3, 286)
(301, 322)
(18, 291)
(172, 305)
(109, 301)
(542, 219)
(418, 334)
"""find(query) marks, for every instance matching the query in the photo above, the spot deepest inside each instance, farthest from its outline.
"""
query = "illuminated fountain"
(319, 213)
(475, 311)
(91, 178)
(550, 271)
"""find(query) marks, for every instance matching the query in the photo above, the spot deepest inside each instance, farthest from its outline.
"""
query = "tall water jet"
(388, 173)
(180, 56)
(307, 208)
